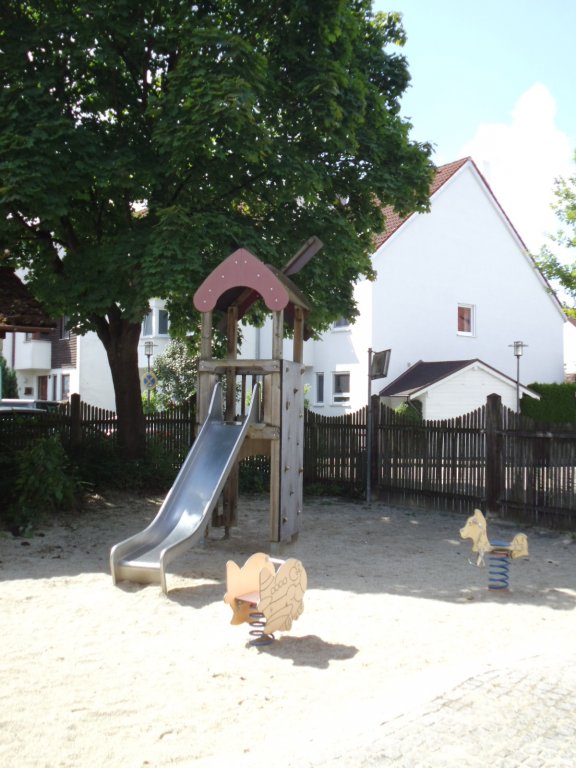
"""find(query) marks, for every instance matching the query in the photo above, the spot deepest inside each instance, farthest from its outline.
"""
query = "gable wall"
(465, 392)
(464, 252)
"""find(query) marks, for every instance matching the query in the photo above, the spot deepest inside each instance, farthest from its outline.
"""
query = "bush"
(9, 383)
(254, 474)
(43, 482)
(410, 411)
(102, 467)
(557, 403)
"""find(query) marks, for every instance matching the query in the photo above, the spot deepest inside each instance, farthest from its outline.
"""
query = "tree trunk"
(120, 339)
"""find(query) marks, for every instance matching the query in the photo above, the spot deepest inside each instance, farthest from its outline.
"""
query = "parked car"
(38, 405)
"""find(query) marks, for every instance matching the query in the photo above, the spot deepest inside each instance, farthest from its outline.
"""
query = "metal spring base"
(258, 633)
(498, 570)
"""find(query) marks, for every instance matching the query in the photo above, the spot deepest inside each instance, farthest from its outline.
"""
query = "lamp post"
(148, 351)
(518, 352)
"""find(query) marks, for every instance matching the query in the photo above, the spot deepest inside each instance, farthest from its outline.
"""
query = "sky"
(494, 80)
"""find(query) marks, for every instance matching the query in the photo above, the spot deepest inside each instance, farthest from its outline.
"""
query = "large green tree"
(141, 141)
(554, 266)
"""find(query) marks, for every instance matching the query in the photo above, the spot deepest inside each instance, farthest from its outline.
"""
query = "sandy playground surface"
(396, 612)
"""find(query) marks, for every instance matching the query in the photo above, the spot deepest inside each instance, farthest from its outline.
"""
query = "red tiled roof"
(394, 221)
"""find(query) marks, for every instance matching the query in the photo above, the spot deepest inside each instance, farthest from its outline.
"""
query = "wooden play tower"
(231, 289)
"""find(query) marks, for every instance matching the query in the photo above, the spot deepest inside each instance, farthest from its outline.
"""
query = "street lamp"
(518, 352)
(148, 351)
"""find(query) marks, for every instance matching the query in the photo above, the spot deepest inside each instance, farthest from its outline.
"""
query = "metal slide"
(184, 514)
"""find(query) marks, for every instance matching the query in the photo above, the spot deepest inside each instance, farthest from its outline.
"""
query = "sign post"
(378, 363)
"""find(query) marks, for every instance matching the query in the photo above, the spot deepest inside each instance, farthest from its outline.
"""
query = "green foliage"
(150, 401)
(254, 474)
(411, 411)
(556, 269)
(141, 141)
(9, 382)
(335, 489)
(176, 371)
(557, 403)
(102, 466)
(44, 483)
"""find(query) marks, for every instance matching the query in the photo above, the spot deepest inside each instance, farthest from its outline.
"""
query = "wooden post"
(494, 454)
(230, 493)
(298, 354)
(374, 457)
(205, 380)
(231, 351)
(277, 335)
(75, 423)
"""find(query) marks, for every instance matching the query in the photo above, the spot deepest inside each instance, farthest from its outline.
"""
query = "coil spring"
(258, 633)
(498, 570)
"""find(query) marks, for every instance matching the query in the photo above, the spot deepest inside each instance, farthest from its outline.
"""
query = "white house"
(456, 283)
(449, 388)
(52, 365)
(570, 349)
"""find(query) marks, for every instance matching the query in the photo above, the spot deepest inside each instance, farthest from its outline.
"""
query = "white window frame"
(472, 309)
(148, 324)
(167, 319)
(340, 397)
(342, 324)
(320, 391)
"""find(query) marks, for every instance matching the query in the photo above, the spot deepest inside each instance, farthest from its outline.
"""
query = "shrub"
(557, 403)
(101, 466)
(254, 474)
(44, 482)
(410, 411)
(9, 383)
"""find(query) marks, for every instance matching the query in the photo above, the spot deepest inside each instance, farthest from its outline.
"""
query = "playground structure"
(499, 552)
(271, 425)
(278, 432)
(267, 599)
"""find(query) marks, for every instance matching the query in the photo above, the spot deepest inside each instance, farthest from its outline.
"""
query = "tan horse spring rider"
(475, 529)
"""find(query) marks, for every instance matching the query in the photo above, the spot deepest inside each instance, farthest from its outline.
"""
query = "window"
(156, 323)
(163, 323)
(147, 324)
(465, 319)
(341, 324)
(319, 389)
(65, 386)
(63, 331)
(341, 388)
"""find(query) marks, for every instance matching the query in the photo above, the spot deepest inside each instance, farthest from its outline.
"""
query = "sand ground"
(396, 612)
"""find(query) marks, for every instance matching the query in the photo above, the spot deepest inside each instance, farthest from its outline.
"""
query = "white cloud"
(521, 159)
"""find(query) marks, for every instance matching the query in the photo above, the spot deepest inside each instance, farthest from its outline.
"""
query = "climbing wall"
(291, 451)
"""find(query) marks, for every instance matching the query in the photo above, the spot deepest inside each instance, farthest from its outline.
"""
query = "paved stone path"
(523, 716)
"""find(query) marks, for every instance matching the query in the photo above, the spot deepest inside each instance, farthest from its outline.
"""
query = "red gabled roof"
(394, 221)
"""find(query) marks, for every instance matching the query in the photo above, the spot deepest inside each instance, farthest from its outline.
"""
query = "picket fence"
(492, 458)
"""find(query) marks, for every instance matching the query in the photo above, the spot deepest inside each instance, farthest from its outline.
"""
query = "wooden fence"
(335, 450)
(78, 423)
(492, 458)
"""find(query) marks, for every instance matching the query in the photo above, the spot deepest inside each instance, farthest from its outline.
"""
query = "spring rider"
(267, 599)
(499, 552)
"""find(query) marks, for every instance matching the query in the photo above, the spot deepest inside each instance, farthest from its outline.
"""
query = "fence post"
(75, 425)
(493, 453)
(373, 467)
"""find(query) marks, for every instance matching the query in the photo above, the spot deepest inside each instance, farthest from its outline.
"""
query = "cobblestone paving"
(520, 717)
